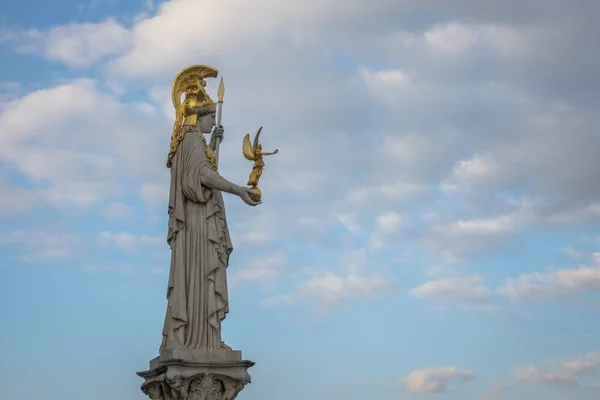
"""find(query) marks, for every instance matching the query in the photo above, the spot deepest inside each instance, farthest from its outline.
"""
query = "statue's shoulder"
(193, 143)
(191, 137)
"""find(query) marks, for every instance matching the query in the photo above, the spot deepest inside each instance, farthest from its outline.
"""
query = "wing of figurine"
(247, 148)
(256, 140)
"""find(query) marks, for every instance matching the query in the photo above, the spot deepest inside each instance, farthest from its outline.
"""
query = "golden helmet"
(190, 81)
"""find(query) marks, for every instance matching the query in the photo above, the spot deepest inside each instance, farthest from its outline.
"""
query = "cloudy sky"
(429, 228)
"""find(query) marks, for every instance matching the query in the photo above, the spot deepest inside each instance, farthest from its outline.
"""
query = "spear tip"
(221, 92)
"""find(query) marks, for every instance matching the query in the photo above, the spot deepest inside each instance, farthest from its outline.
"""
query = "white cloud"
(532, 287)
(250, 238)
(226, 29)
(117, 210)
(384, 77)
(15, 200)
(43, 244)
(95, 268)
(573, 253)
(127, 241)
(261, 269)
(385, 226)
(435, 379)
(77, 45)
(56, 104)
(505, 39)
(462, 289)
(389, 222)
(274, 301)
(483, 226)
(560, 373)
(475, 168)
(584, 364)
(85, 141)
(155, 194)
(350, 221)
(565, 372)
(456, 241)
(452, 37)
(531, 373)
(330, 289)
(397, 190)
(386, 85)
(553, 285)
(410, 152)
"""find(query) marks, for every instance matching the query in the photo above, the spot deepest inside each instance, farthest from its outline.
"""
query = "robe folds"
(200, 248)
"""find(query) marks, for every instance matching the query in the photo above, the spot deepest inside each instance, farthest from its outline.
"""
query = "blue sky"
(428, 230)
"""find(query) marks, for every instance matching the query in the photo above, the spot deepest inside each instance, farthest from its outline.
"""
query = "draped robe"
(200, 247)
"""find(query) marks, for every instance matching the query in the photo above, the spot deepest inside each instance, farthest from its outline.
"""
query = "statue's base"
(186, 374)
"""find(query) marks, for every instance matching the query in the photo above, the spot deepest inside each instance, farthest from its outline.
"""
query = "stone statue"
(197, 233)
(193, 361)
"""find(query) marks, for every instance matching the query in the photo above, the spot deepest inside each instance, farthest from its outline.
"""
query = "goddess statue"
(197, 230)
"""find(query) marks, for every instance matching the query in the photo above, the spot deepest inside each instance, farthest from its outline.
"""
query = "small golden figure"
(255, 153)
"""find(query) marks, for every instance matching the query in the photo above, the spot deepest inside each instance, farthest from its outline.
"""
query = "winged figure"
(253, 152)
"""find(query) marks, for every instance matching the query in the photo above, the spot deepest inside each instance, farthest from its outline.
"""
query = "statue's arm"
(198, 176)
(213, 180)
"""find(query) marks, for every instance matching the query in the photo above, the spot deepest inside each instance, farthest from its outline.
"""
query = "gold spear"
(221, 94)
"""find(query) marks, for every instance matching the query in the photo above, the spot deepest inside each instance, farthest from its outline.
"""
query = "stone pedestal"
(196, 375)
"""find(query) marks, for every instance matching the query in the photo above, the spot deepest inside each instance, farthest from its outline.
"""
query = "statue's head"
(192, 91)
(198, 105)
(206, 119)
(190, 81)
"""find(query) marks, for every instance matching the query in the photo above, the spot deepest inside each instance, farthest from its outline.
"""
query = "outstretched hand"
(245, 196)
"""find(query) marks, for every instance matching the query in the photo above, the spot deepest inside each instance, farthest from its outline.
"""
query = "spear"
(220, 94)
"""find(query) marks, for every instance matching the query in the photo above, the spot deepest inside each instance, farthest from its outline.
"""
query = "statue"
(255, 153)
(197, 233)
(193, 361)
